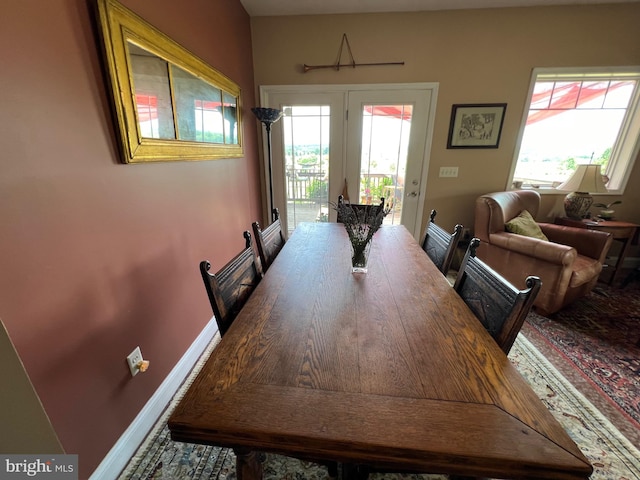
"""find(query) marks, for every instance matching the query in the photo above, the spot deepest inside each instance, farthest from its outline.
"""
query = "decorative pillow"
(524, 224)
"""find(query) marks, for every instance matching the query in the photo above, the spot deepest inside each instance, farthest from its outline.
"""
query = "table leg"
(621, 256)
(351, 471)
(248, 464)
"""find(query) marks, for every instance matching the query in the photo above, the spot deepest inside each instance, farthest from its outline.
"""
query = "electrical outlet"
(133, 360)
(448, 171)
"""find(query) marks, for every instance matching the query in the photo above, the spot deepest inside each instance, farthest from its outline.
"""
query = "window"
(579, 116)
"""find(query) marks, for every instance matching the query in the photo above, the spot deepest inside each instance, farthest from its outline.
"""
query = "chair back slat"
(439, 244)
(229, 289)
(270, 240)
(499, 306)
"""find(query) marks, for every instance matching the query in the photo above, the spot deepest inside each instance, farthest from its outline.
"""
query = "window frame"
(626, 149)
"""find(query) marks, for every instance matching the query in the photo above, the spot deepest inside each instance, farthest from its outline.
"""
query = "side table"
(625, 232)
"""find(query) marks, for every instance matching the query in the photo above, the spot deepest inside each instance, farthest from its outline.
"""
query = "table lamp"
(587, 179)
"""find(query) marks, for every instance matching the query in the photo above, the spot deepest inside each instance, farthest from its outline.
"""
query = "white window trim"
(627, 146)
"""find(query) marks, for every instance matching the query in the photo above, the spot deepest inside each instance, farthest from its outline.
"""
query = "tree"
(603, 159)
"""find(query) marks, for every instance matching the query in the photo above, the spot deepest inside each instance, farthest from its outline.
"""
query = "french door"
(365, 142)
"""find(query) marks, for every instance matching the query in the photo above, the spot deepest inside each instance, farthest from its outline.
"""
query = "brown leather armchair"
(568, 264)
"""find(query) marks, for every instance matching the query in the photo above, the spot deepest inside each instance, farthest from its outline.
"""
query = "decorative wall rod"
(352, 64)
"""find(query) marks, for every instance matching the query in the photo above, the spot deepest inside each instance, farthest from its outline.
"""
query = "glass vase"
(360, 256)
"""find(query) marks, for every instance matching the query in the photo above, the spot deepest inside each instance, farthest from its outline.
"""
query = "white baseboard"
(126, 446)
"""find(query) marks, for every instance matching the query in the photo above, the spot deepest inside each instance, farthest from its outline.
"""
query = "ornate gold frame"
(124, 32)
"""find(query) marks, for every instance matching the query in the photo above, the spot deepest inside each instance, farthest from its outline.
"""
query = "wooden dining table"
(388, 369)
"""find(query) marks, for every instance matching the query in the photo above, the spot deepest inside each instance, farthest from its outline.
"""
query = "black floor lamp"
(268, 116)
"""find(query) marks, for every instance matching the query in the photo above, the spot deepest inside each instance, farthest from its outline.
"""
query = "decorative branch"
(336, 66)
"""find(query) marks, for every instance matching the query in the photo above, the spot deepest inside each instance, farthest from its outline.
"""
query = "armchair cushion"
(524, 224)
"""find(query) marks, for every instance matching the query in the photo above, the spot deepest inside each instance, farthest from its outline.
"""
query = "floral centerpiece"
(361, 222)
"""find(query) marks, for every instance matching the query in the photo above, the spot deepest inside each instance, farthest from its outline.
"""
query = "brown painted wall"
(476, 56)
(97, 256)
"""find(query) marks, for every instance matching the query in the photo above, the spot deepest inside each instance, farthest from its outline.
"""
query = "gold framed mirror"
(169, 104)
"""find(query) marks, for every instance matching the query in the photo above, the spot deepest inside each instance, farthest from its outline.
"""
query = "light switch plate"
(448, 171)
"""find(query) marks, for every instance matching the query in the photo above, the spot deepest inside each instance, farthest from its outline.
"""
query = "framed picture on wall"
(476, 125)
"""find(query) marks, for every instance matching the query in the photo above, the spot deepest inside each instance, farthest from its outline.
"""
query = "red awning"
(403, 112)
(553, 98)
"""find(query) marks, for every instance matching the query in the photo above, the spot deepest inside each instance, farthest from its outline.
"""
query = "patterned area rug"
(611, 454)
(600, 335)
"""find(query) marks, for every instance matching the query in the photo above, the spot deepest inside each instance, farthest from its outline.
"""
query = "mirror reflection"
(198, 107)
(230, 114)
(203, 113)
(153, 96)
(168, 103)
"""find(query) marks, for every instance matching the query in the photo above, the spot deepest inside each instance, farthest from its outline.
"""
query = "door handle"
(412, 194)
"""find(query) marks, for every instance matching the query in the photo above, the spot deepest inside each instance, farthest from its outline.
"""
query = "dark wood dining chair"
(270, 240)
(360, 210)
(229, 288)
(439, 244)
(500, 306)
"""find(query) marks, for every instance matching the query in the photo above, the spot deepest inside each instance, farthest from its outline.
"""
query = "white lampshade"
(586, 178)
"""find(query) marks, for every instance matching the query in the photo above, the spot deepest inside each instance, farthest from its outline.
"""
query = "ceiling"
(261, 8)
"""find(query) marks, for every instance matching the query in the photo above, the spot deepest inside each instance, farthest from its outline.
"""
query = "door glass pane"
(385, 141)
(306, 152)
